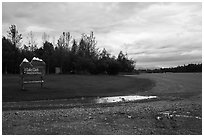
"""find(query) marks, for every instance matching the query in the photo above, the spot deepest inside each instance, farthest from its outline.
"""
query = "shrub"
(113, 67)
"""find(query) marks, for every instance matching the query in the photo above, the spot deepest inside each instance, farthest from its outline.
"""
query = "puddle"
(70, 102)
(122, 98)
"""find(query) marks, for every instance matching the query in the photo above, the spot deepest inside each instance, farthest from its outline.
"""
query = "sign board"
(32, 71)
(35, 67)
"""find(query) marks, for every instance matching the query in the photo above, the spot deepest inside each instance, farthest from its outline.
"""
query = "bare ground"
(179, 94)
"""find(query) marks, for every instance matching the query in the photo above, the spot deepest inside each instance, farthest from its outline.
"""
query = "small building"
(57, 70)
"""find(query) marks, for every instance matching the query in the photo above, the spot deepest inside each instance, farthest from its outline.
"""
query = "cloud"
(146, 31)
(38, 29)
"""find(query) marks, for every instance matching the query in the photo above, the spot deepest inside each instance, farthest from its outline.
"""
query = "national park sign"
(35, 70)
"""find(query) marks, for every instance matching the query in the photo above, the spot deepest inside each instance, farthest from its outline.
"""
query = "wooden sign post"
(34, 70)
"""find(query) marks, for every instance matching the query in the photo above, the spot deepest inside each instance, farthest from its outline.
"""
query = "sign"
(34, 68)
(32, 71)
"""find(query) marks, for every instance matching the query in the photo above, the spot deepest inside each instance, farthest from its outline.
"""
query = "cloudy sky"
(153, 34)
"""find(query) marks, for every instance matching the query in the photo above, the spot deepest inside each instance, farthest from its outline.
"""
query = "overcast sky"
(153, 34)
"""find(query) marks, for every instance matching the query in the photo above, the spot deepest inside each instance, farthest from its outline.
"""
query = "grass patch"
(72, 86)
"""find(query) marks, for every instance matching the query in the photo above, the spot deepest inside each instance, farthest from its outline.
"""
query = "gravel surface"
(116, 118)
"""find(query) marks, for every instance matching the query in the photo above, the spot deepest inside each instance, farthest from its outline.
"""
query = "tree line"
(178, 69)
(70, 55)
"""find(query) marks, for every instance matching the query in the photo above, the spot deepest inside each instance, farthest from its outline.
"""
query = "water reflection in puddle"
(123, 98)
(71, 102)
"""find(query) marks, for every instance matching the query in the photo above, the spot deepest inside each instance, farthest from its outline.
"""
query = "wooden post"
(22, 82)
(41, 81)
